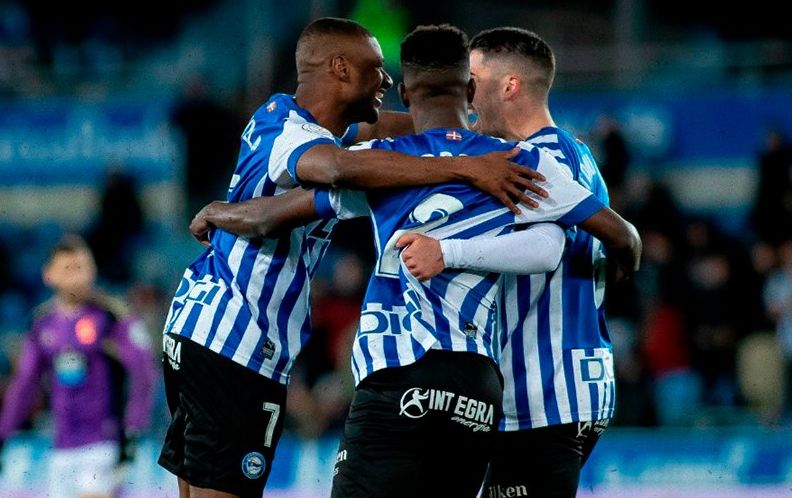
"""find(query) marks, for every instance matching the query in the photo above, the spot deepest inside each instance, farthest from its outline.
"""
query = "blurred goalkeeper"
(100, 367)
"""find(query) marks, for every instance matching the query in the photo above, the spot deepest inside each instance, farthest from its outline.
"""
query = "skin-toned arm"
(259, 217)
(389, 124)
(620, 238)
(493, 173)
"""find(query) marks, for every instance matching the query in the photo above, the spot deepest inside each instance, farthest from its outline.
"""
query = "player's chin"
(371, 115)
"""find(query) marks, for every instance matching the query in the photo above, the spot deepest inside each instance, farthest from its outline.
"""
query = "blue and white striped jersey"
(248, 300)
(556, 354)
(403, 318)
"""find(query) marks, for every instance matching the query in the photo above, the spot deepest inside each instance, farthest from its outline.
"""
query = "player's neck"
(429, 117)
(69, 305)
(327, 112)
(523, 122)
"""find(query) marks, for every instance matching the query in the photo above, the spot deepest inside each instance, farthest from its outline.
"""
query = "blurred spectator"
(339, 310)
(211, 142)
(322, 384)
(718, 306)
(614, 157)
(114, 235)
(665, 348)
(93, 354)
(772, 212)
(5, 267)
(778, 302)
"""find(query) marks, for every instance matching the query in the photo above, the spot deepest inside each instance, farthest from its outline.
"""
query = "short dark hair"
(518, 42)
(69, 243)
(435, 47)
(332, 26)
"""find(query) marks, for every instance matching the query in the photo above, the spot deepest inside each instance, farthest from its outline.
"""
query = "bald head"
(326, 37)
(340, 72)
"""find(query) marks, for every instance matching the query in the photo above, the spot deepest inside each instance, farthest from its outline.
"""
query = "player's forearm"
(138, 361)
(243, 218)
(619, 236)
(367, 169)
(538, 249)
(263, 216)
(19, 398)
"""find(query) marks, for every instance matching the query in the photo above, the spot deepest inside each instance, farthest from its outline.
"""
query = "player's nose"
(387, 81)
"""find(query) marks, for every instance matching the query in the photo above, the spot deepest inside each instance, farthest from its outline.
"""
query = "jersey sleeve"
(569, 203)
(350, 135)
(537, 249)
(342, 204)
(294, 140)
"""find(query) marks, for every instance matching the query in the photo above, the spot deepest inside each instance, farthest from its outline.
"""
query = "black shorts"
(427, 429)
(543, 462)
(227, 420)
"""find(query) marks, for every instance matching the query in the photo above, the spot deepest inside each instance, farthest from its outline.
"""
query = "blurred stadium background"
(119, 122)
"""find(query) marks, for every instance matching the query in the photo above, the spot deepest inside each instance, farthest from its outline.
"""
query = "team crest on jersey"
(253, 465)
(85, 330)
(453, 135)
(470, 330)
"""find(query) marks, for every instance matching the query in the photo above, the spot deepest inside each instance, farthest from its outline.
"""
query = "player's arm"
(258, 217)
(131, 346)
(268, 216)
(20, 395)
(573, 205)
(326, 164)
(389, 124)
(619, 237)
(537, 249)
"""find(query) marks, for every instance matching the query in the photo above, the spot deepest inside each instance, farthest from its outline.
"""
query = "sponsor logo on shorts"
(172, 349)
(586, 428)
(478, 415)
(499, 491)
(340, 458)
(253, 465)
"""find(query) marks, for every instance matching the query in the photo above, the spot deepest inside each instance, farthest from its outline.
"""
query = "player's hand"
(495, 174)
(200, 227)
(422, 255)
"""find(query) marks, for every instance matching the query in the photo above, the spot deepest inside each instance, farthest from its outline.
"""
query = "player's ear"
(471, 90)
(46, 275)
(405, 99)
(511, 87)
(339, 66)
